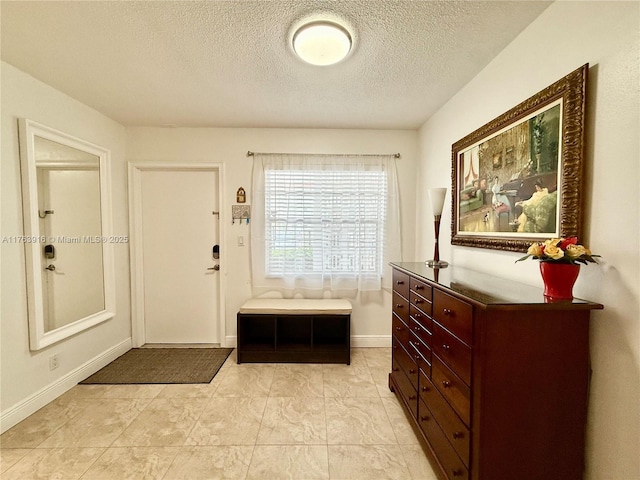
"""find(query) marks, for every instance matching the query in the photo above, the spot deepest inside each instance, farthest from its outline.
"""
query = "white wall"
(370, 318)
(566, 36)
(25, 380)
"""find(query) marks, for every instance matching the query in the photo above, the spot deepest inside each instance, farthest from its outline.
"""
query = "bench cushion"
(297, 306)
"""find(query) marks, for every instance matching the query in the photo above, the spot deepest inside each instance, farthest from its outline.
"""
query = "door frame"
(136, 170)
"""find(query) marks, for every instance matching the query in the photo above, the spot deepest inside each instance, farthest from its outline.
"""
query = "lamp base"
(436, 264)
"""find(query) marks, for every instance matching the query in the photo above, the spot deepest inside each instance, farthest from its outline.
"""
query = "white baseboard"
(33, 403)
(357, 341)
(364, 341)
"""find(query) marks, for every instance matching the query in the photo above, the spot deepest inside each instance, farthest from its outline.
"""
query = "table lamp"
(436, 195)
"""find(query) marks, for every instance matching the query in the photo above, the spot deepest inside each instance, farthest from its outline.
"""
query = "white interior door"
(181, 288)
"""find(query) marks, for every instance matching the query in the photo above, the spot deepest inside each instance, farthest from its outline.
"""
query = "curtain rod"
(395, 155)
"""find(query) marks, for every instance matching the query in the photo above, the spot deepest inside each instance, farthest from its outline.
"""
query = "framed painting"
(519, 178)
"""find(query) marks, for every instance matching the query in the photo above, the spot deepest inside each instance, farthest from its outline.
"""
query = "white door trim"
(136, 243)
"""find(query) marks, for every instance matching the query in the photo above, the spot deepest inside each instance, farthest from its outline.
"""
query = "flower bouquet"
(560, 250)
(560, 260)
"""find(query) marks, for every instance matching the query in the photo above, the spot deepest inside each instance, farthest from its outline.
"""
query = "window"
(325, 220)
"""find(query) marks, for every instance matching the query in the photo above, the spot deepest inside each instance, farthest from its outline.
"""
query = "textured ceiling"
(229, 64)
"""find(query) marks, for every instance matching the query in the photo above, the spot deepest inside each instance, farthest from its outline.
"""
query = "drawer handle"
(418, 315)
(424, 418)
(446, 311)
(446, 383)
(417, 329)
(457, 473)
(418, 287)
(399, 282)
(398, 329)
(412, 371)
(417, 357)
(399, 305)
(413, 397)
(425, 389)
(446, 347)
(458, 435)
(395, 369)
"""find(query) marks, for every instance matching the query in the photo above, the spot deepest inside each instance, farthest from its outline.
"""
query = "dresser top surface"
(486, 289)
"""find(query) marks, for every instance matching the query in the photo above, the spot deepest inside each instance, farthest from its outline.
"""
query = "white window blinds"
(324, 221)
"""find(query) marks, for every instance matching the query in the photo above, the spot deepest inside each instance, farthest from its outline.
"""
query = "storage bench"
(294, 331)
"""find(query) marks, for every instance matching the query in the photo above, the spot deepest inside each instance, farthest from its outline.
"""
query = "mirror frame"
(38, 337)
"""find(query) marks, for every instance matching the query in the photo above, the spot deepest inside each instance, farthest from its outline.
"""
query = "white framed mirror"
(67, 233)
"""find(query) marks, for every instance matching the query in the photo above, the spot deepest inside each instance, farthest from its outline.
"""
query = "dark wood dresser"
(494, 378)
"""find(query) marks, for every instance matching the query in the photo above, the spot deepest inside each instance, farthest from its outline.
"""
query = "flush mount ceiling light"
(322, 43)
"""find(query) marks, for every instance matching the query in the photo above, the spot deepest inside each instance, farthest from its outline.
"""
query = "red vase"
(559, 279)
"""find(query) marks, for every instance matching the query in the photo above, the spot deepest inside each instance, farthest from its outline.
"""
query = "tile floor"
(253, 421)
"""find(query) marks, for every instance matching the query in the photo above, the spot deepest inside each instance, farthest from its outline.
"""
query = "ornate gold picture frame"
(519, 178)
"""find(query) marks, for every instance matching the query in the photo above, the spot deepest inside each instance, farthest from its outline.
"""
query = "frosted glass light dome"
(322, 43)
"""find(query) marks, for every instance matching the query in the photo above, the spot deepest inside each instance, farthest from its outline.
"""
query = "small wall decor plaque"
(241, 196)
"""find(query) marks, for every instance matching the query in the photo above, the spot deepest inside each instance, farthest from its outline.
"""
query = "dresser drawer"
(401, 283)
(421, 353)
(451, 463)
(453, 352)
(400, 330)
(401, 307)
(407, 362)
(427, 389)
(421, 288)
(454, 390)
(420, 317)
(421, 332)
(453, 428)
(454, 315)
(407, 391)
(419, 302)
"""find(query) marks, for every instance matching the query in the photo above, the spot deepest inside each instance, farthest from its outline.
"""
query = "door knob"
(215, 267)
(51, 268)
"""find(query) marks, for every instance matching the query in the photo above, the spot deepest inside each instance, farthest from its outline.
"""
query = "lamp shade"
(436, 195)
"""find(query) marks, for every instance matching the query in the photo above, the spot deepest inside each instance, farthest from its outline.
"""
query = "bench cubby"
(295, 331)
